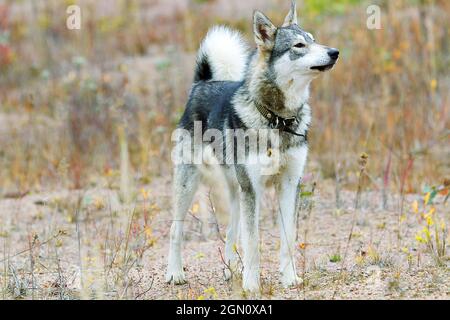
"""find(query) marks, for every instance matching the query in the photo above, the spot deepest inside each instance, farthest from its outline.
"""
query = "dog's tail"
(222, 56)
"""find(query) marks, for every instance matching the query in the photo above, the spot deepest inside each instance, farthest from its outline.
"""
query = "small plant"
(335, 258)
(434, 232)
(409, 256)
(394, 282)
(208, 294)
(374, 256)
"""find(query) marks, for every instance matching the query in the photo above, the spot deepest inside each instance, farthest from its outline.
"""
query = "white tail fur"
(222, 56)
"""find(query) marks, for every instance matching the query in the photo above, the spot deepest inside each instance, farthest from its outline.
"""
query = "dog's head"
(291, 51)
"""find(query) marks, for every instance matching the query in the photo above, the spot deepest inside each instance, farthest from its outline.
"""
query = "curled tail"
(222, 56)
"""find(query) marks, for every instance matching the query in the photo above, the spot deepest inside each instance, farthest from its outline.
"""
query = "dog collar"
(277, 122)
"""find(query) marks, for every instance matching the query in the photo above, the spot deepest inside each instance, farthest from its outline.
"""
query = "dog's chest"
(274, 163)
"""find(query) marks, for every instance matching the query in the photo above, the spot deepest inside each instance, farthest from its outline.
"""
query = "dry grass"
(89, 113)
(87, 245)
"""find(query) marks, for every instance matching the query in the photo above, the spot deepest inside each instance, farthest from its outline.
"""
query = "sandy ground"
(85, 244)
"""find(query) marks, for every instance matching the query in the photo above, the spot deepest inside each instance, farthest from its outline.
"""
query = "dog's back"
(220, 69)
(210, 103)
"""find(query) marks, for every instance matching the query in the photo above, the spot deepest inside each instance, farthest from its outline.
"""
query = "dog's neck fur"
(285, 97)
(296, 92)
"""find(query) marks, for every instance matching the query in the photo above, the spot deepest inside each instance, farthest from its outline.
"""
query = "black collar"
(277, 122)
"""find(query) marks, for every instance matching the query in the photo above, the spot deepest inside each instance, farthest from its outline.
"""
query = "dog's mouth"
(323, 68)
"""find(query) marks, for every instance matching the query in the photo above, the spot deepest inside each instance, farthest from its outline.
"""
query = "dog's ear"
(264, 31)
(291, 18)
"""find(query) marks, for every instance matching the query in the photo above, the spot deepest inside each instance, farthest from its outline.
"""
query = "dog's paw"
(251, 285)
(177, 278)
(227, 274)
(290, 280)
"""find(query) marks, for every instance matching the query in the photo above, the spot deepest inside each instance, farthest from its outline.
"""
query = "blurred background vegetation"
(80, 107)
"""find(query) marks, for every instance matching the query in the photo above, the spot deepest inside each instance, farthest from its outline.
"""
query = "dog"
(262, 89)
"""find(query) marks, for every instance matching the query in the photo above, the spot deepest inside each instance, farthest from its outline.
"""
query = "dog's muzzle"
(334, 55)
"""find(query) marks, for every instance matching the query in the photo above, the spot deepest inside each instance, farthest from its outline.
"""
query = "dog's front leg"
(288, 195)
(287, 223)
(250, 240)
(249, 205)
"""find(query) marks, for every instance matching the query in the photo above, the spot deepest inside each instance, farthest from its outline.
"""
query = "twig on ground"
(212, 210)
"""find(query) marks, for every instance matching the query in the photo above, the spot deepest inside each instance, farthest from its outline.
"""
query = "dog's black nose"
(333, 53)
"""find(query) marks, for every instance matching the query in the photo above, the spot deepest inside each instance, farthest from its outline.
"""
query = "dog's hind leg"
(186, 180)
(231, 255)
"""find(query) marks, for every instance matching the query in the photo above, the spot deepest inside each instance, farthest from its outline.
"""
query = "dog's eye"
(299, 45)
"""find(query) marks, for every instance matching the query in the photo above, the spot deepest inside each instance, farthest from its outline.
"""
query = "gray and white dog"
(267, 89)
